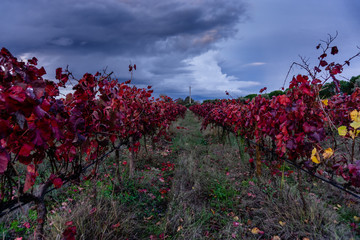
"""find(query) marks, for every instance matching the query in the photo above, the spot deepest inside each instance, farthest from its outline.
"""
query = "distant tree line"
(327, 91)
(186, 102)
(347, 87)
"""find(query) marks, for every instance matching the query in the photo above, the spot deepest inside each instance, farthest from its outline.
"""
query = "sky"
(239, 46)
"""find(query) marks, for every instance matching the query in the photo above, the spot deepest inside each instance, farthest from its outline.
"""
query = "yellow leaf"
(355, 125)
(325, 102)
(315, 160)
(179, 228)
(315, 156)
(357, 219)
(282, 223)
(342, 131)
(354, 115)
(213, 212)
(352, 134)
(255, 230)
(328, 153)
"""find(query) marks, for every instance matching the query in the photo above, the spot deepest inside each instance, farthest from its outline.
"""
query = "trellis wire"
(335, 184)
(18, 204)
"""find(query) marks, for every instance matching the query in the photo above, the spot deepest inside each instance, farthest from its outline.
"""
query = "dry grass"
(213, 195)
(101, 224)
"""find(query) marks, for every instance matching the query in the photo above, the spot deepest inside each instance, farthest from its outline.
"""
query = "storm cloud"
(214, 46)
(117, 27)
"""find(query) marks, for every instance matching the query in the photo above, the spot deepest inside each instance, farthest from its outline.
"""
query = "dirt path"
(215, 196)
(203, 197)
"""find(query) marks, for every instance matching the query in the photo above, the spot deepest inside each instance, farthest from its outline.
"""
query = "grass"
(199, 186)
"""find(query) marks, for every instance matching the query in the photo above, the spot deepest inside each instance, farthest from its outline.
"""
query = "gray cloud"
(174, 41)
(118, 27)
(92, 35)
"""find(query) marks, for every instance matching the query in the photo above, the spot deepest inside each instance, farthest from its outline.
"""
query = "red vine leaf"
(30, 177)
(4, 159)
(334, 50)
(26, 149)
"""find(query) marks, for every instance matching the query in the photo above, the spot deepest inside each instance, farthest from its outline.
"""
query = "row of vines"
(47, 139)
(319, 135)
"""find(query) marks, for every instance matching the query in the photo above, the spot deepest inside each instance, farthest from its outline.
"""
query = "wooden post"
(258, 160)
(189, 94)
(258, 157)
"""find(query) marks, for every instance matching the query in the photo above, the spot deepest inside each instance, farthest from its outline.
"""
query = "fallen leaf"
(116, 225)
(282, 223)
(27, 224)
(251, 195)
(68, 223)
(93, 210)
(148, 218)
(328, 153)
(255, 230)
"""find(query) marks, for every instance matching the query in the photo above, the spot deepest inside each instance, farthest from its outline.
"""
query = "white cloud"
(209, 80)
(254, 64)
(46, 61)
(26, 56)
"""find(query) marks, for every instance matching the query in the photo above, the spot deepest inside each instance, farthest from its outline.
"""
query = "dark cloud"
(213, 45)
(117, 27)
(93, 35)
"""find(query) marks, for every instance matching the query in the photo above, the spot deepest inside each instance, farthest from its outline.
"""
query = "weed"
(197, 187)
